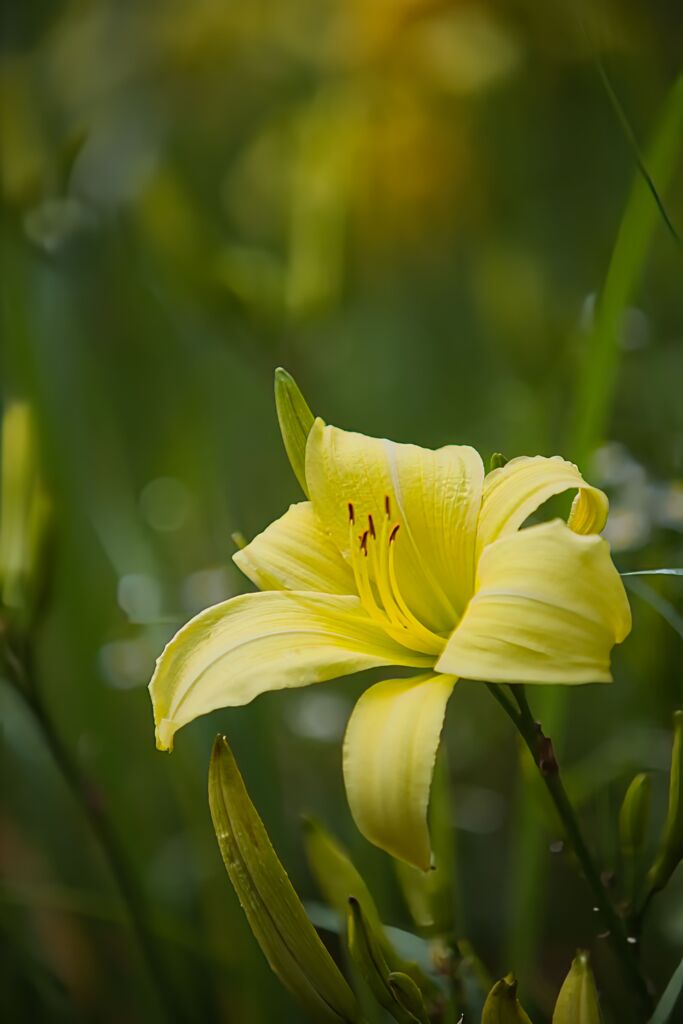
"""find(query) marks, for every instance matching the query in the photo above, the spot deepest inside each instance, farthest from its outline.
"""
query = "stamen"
(387, 506)
(360, 574)
(434, 641)
(378, 560)
(375, 575)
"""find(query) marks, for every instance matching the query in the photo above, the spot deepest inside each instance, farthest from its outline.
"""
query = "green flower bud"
(408, 994)
(24, 514)
(577, 1002)
(432, 896)
(274, 912)
(295, 419)
(338, 880)
(671, 844)
(497, 461)
(502, 1005)
(634, 815)
(366, 952)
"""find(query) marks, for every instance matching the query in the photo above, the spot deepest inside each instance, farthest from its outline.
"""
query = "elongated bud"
(502, 1005)
(671, 844)
(408, 994)
(366, 952)
(634, 815)
(24, 513)
(577, 1002)
(432, 896)
(338, 881)
(472, 975)
(272, 907)
(295, 419)
(497, 461)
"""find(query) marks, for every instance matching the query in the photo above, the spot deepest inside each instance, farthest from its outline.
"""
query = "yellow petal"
(389, 753)
(548, 608)
(513, 492)
(434, 495)
(232, 652)
(295, 553)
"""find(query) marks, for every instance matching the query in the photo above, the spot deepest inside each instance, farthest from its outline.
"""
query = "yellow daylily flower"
(408, 557)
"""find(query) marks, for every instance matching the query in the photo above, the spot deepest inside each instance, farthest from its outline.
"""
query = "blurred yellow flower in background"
(409, 557)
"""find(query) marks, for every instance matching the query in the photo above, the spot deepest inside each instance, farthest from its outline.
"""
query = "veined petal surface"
(434, 495)
(232, 652)
(513, 492)
(548, 608)
(389, 753)
(296, 553)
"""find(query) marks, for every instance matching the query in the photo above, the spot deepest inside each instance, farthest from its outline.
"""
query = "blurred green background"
(412, 206)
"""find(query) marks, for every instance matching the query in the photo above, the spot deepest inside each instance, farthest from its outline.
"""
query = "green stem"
(541, 749)
(100, 826)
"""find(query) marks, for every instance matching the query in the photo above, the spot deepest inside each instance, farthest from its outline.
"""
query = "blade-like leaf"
(657, 601)
(670, 997)
(655, 572)
(272, 907)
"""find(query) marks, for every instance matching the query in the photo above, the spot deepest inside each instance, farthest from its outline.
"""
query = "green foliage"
(409, 206)
(670, 998)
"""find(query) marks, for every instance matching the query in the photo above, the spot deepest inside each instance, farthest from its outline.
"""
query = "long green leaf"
(593, 402)
(655, 572)
(659, 603)
(670, 997)
(641, 216)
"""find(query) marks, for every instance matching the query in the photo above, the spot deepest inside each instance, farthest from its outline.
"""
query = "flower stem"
(541, 749)
(101, 828)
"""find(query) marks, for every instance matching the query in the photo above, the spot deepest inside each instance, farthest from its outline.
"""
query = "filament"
(372, 555)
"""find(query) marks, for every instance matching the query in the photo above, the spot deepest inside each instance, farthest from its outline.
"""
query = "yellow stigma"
(372, 555)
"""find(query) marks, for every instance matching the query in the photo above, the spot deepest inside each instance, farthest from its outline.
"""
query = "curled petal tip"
(164, 733)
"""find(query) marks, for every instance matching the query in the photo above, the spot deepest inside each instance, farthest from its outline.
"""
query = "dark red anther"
(387, 506)
(392, 535)
(364, 542)
(352, 514)
(371, 527)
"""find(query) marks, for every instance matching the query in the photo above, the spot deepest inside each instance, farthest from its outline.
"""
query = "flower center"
(373, 560)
